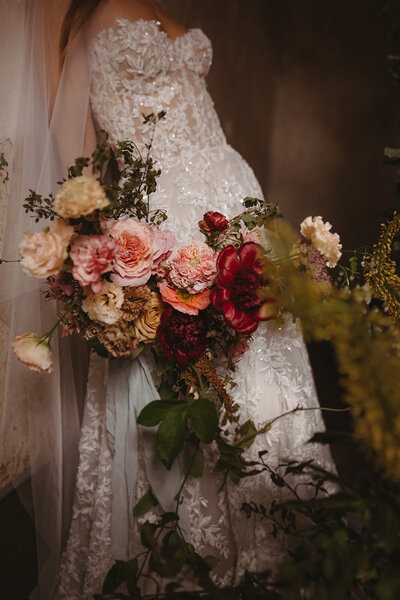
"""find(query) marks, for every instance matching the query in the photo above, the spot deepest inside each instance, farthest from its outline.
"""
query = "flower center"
(194, 262)
(244, 291)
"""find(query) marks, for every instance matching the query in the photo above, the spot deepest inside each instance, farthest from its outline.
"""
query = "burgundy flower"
(182, 336)
(238, 292)
(213, 221)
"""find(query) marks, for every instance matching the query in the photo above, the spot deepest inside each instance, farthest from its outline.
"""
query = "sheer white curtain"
(46, 407)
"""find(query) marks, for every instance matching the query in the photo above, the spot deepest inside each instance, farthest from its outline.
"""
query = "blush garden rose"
(43, 253)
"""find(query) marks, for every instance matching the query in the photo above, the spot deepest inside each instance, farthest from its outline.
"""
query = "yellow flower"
(147, 322)
(79, 197)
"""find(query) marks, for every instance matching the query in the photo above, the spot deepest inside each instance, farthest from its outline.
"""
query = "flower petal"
(241, 322)
(250, 257)
(267, 311)
(227, 265)
(219, 296)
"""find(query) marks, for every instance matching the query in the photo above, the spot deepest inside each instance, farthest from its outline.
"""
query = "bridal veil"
(44, 409)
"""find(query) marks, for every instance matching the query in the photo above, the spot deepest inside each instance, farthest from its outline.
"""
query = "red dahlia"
(182, 337)
(213, 221)
(238, 291)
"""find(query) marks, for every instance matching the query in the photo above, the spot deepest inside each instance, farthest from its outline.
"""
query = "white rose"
(44, 253)
(34, 352)
(318, 233)
(104, 306)
(80, 196)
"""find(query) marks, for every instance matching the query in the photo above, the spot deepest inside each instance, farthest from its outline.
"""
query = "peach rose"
(79, 197)
(135, 251)
(105, 306)
(147, 322)
(192, 267)
(34, 352)
(318, 233)
(44, 253)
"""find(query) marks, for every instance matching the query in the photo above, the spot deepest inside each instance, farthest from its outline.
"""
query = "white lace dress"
(136, 69)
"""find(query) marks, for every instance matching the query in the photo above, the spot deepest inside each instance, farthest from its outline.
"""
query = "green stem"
(203, 391)
(268, 425)
(47, 336)
(178, 495)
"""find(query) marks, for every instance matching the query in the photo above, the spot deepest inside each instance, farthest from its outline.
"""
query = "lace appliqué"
(136, 69)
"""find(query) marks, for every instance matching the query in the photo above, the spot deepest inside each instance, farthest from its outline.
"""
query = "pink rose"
(164, 242)
(192, 267)
(135, 251)
(92, 256)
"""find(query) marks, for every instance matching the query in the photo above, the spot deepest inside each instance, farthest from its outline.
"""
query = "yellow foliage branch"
(366, 343)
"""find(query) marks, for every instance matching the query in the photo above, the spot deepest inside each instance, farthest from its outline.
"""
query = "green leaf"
(97, 346)
(204, 419)
(194, 457)
(163, 365)
(168, 517)
(145, 503)
(166, 392)
(112, 580)
(147, 536)
(137, 351)
(172, 433)
(154, 412)
(248, 433)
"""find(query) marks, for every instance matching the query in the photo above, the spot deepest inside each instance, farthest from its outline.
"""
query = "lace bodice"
(137, 69)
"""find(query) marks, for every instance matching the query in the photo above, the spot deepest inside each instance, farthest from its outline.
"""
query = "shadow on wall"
(303, 92)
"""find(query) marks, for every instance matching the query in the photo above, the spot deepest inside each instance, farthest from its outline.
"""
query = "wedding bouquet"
(125, 284)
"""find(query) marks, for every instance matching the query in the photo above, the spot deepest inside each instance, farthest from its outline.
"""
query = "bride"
(134, 59)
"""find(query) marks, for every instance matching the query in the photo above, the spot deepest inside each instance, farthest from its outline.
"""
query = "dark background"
(303, 92)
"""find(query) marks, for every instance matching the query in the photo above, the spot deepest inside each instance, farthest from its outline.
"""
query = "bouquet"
(124, 284)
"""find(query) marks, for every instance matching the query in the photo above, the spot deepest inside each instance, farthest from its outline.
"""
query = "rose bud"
(34, 352)
(213, 221)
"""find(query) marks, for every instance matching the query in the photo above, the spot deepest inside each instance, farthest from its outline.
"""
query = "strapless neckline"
(153, 24)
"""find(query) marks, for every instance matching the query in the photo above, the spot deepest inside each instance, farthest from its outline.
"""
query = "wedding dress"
(136, 69)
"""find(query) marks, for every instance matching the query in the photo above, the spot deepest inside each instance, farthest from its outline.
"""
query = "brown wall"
(303, 92)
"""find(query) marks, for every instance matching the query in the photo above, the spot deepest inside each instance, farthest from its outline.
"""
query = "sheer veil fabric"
(52, 116)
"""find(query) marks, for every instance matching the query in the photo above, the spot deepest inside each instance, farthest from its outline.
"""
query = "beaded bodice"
(136, 69)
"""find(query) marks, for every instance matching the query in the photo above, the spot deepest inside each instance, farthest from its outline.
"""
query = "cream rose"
(147, 323)
(79, 197)
(105, 306)
(34, 352)
(318, 233)
(44, 253)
